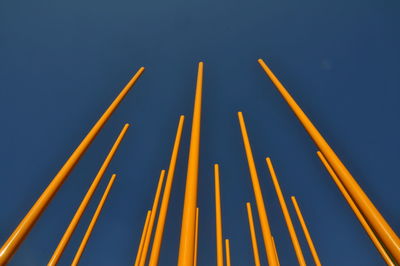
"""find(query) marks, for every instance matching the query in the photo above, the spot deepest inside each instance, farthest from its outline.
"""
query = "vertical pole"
(196, 238)
(24, 227)
(218, 218)
(85, 202)
(306, 232)
(253, 235)
(228, 253)
(93, 221)
(368, 209)
(140, 248)
(186, 245)
(262, 213)
(159, 231)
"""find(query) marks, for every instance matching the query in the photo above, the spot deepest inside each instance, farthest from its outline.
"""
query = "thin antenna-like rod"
(253, 235)
(228, 252)
(147, 239)
(306, 232)
(186, 244)
(140, 248)
(368, 209)
(218, 219)
(262, 213)
(286, 215)
(159, 231)
(85, 202)
(276, 251)
(93, 221)
(196, 238)
(356, 211)
(24, 227)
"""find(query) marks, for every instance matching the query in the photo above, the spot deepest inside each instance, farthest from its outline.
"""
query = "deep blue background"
(62, 63)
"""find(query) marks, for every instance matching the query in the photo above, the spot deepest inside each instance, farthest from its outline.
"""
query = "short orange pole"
(186, 244)
(276, 251)
(140, 248)
(228, 252)
(196, 238)
(93, 222)
(286, 215)
(253, 235)
(218, 218)
(24, 227)
(159, 231)
(368, 209)
(147, 239)
(306, 232)
(356, 211)
(82, 207)
(262, 213)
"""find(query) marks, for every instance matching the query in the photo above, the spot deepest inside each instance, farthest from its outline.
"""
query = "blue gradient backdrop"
(62, 63)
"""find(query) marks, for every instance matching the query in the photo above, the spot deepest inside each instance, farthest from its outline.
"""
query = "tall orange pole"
(186, 245)
(218, 218)
(196, 238)
(93, 222)
(159, 231)
(228, 252)
(24, 227)
(306, 232)
(256, 254)
(356, 211)
(286, 215)
(140, 248)
(262, 213)
(368, 209)
(147, 239)
(82, 207)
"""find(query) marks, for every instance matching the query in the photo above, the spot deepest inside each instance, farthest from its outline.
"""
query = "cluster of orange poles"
(381, 234)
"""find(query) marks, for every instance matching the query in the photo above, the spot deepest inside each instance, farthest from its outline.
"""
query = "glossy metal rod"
(82, 207)
(262, 213)
(196, 238)
(368, 209)
(306, 232)
(218, 218)
(228, 252)
(140, 248)
(286, 215)
(356, 211)
(186, 244)
(254, 244)
(159, 231)
(149, 231)
(93, 221)
(24, 227)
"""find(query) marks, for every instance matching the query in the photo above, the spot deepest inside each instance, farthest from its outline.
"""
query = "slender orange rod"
(356, 211)
(24, 227)
(93, 221)
(286, 215)
(147, 239)
(218, 219)
(367, 208)
(228, 252)
(140, 248)
(186, 244)
(82, 207)
(159, 231)
(196, 242)
(256, 254)
(276, 251)
(262, 213)
(306, 232)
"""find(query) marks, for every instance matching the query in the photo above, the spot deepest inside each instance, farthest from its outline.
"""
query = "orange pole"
(24, 227)
(93, 222)
(286, 215)
(146, 225)
(253, 235)
(196, 238)
(276, 251)
(159, 231)
(368, 209)
(147, 239)
(186, 245)
(228, 252)
(356, 211)
(82, 207)
(218, 218)
(306, 232)
(262, 213)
